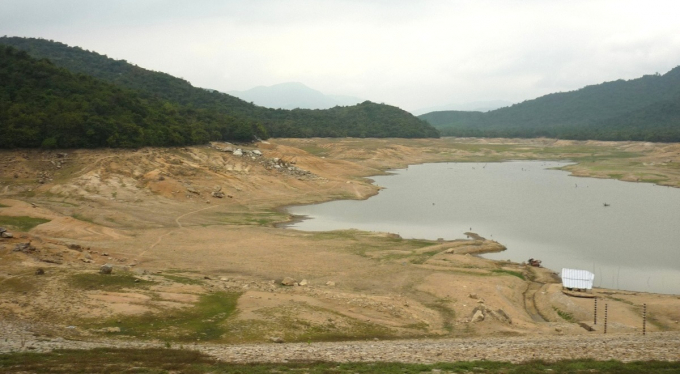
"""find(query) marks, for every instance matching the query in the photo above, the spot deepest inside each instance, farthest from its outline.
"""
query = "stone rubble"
(278, 164)
(5, 234)
(663, 346)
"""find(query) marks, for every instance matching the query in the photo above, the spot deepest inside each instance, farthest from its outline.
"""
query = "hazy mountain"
(646, 108)
(293, 95)
(474, 106)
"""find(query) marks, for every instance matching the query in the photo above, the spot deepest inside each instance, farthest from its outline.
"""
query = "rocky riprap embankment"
(623, 347)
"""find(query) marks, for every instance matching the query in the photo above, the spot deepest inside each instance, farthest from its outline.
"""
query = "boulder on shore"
(106, 269)
(288, 281)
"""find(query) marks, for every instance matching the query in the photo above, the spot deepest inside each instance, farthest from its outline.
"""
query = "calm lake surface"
(633, 244)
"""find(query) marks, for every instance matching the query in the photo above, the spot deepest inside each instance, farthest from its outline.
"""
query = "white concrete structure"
(579, 279)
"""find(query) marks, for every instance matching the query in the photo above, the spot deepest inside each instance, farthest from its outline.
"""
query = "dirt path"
(179, 226)
(530, 301)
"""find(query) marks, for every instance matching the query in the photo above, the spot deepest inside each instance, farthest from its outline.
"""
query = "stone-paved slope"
(623, 347)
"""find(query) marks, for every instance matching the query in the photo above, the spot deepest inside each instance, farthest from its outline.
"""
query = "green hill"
(646, 108)
(42, 105)
(363, 120)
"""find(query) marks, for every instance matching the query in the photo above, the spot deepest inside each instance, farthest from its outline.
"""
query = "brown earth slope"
(196, 254)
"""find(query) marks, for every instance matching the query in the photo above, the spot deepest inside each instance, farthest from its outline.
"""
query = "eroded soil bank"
(196, 256)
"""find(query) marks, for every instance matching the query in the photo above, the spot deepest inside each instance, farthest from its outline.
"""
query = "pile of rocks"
(286, 167)
(481, 312)
(288, 281)
(43, 177)
(25, 248)
(5, 234)
(227, 147)
(238, 152)
(217, 192)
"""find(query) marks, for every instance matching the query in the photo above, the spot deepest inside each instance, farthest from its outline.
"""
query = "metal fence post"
(644, 319)
(605, 317)
(595, 313)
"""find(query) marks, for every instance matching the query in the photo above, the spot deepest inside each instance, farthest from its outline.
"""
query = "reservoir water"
(633, 243)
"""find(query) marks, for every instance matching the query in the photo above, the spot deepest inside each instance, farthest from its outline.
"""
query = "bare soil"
(183, 223)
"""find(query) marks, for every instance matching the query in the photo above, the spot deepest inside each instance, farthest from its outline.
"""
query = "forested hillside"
(363, 120)
(646, 108)
(42, 105)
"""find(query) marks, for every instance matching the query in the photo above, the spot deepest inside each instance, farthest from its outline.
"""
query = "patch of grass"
(4, 206)
(258, 218)
(202, 322)
(651, 318)
(107, 360)
(62, 202)
(621, 300)
(27, 193)
(509, 272)
(315, 150)
(182, 280)
(358, 330)
(420, 258)
(16, 285)
(107, 282)
(81, 217)
(565, 315)
(159, 360)
(447, 313)
(21, 223)
(337, 234)
(292, 327)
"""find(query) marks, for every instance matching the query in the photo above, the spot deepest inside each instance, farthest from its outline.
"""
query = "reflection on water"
(628, 234)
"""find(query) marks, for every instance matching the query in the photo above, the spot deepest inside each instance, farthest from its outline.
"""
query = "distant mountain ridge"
(237, 119)
(473, 106)
(293, 95)
(646, 108)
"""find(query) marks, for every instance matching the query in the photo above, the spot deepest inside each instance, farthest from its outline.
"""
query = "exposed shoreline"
(153, 214)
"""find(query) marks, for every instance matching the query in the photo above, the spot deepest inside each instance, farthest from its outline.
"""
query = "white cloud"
(407, 53)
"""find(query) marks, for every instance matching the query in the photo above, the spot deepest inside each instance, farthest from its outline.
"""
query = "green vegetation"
(289, 324)
(42, 105)
(81, 217)
(509, 272)
(422, 257)
(565, 315)
(182, 280)
(447, 313)
(646, 109)
(108, 282)
(95, 101)
(369, 245)
(251, 218)
(315, 150)
(106, 360)
(365, 120)
(17, 284)
(21, 223)
(203, 321)
(159, 360)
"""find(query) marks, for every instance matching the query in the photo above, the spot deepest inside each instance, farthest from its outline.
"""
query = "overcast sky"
(408, 53)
